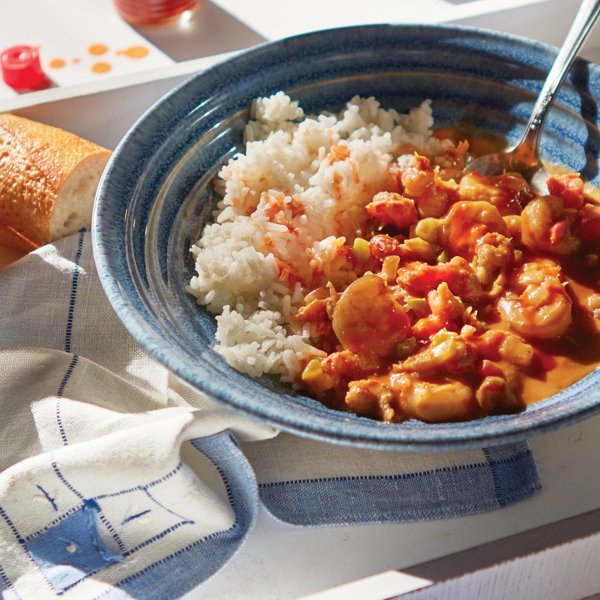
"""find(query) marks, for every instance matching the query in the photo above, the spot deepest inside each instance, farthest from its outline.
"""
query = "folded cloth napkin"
(119, 481)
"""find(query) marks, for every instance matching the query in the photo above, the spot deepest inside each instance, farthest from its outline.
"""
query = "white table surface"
(279, 561)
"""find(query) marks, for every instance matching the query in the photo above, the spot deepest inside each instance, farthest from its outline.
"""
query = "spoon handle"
(580, 29)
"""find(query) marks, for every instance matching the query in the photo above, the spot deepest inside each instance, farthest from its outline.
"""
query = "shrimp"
(496, 344)
(373, 398)
(405, 395)
(466, 222)
(368, 320)
(383, 245)
(447, 312)
(451, 159)
(434, 402)
(390, 208)
(569, 187)
(546, 225)
(316, 313)
(495, 396)
(432, 194)
(494, 255)
(413, 249)
(446, 353)
(418, 278)
(508, 192)
(538, 306)
(334, 372)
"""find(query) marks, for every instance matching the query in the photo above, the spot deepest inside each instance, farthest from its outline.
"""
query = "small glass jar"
(155, 12)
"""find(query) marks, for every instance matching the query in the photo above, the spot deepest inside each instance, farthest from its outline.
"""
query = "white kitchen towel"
(119, 481)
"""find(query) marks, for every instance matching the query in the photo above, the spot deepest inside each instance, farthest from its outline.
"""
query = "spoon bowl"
(524, 157)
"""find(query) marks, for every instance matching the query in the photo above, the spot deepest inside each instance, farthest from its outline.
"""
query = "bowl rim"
(371, 434)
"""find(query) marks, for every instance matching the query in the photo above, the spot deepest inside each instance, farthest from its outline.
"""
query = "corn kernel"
(419, 305)
(361, 250)
(427, 229)
(443, 257)
(389, 268)
(312, 370)
(313, 376)
(417, 244)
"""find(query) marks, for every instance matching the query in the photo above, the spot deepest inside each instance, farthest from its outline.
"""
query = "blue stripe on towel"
(508, 475)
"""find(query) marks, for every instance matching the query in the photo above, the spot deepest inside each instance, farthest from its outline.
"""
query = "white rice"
(286, 208)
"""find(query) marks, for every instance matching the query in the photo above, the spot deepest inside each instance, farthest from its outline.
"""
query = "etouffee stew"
(470, 295)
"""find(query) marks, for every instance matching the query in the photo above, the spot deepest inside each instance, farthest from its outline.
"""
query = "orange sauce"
(135, 52)
(98, 49)
(57, 63)
(101, 67)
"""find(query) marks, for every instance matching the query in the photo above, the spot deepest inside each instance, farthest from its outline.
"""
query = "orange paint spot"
(98, 49)
(101, 67)
(134, 52)
(75, 60)
(57, 63)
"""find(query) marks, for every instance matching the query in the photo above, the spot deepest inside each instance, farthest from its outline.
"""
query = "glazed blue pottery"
(156, 196)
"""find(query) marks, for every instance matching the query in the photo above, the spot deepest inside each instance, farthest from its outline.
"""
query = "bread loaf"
(48, 181)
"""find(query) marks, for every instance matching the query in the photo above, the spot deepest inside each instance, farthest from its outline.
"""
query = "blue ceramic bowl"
(155, 197)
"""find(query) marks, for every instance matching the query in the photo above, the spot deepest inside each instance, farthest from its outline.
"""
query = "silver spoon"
(523, 156)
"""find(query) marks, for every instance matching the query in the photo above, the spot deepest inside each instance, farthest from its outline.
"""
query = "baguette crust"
(48, 179)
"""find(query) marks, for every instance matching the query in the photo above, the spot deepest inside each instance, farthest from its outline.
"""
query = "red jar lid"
(21, 68)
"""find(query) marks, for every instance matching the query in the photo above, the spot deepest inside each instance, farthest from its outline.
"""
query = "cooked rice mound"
(295, 196)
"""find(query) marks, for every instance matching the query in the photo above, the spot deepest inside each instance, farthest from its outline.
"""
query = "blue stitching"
(48, 496)
(4, 577)
(63, 479)
(73, 297)
(141, 487)
(59, 394)
(494, 470)
(468, 467)
(227, 487)
(494, 473)
(164, 478)
(67, 376)
(13, 528)
(18, 537)
(157, 537)
(183, 519)
(136, 516)
(53, 523)
(113, 534)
